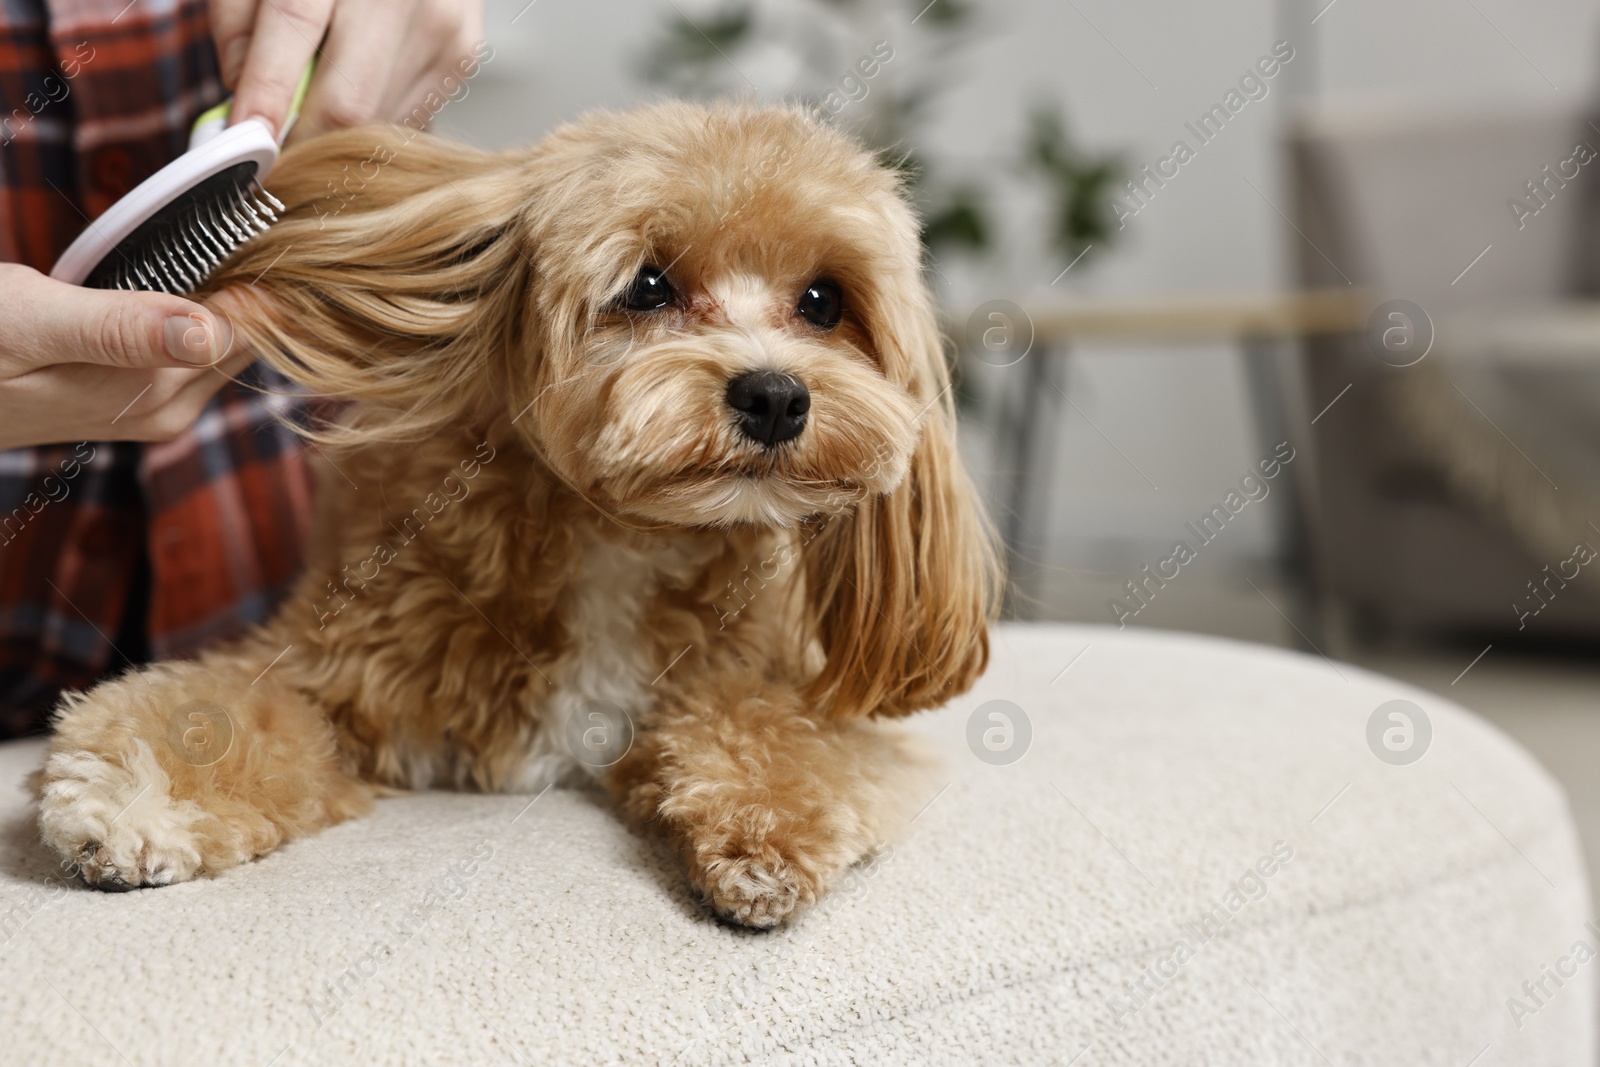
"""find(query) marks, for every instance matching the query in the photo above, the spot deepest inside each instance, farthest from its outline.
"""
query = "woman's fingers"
(433, 47)
(95, 403)
(187, 402)
(51, 322)
(446, 80)
(285, 36)
(49, 391)
(365, 42)
(231, 24)
(379, 58)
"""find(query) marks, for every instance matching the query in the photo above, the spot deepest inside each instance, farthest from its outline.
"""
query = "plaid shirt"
(112, 553)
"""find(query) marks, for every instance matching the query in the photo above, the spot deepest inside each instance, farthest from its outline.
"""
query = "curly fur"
(540, 504)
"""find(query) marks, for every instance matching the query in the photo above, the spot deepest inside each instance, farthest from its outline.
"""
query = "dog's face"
(694, 317)
(713, 315)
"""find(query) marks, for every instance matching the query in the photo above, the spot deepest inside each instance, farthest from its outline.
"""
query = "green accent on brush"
(222, 109)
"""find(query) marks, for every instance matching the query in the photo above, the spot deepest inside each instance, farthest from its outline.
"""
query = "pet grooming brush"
(172, 231)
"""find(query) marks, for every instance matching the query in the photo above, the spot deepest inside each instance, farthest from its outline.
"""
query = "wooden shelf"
(1200, 317)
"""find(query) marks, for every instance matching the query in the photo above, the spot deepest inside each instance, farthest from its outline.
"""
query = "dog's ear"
(901, 590)
(392, 278)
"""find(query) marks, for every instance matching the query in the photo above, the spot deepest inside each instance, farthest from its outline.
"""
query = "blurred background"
(1275, 320)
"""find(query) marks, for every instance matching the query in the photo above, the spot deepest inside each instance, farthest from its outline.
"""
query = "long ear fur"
(393, 278)
(901, 590)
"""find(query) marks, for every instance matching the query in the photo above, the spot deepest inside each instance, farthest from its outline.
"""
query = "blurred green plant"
(704, 57)
(1080, 184)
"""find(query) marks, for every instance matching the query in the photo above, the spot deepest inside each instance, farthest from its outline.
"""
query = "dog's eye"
(649, 291)
(821, 304)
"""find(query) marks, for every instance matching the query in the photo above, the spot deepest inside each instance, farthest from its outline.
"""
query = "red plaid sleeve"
(114, 553)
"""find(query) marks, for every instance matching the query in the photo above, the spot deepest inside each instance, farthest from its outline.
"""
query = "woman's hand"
(94, 365)
(380, 60)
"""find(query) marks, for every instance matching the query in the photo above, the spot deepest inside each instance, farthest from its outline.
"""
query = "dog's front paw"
(756, 865)
(753, 886)
(115, 823)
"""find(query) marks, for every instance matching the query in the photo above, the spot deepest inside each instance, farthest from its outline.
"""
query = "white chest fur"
(604, 683)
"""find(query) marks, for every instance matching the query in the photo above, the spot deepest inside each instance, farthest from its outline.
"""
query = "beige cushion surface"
(1036, 911)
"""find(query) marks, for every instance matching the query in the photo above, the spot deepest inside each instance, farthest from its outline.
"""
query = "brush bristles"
(195, 243)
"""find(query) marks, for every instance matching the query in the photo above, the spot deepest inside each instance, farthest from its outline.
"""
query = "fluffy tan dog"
(650, 469)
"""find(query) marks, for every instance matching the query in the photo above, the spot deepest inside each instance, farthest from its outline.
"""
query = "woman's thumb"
(70, 324)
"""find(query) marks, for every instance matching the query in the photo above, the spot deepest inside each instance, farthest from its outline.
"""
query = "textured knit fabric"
(1031, 915)
(95, 96)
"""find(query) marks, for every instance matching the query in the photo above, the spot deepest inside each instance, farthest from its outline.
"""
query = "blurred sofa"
(1449, 497)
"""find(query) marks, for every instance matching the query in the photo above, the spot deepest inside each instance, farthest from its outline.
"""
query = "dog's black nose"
(772, 406)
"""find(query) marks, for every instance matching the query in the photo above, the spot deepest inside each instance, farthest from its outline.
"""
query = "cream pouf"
(1160, 849)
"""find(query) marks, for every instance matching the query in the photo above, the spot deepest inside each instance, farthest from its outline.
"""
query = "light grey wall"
(1131, 74)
